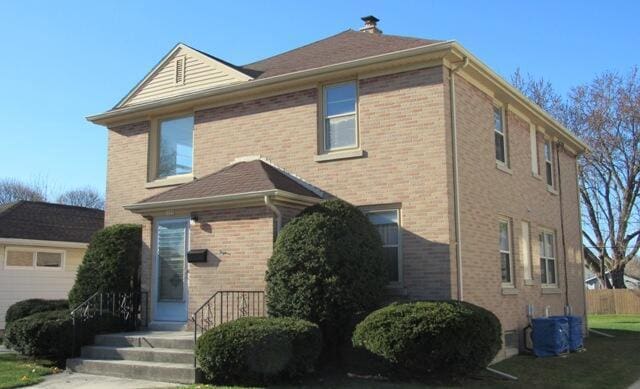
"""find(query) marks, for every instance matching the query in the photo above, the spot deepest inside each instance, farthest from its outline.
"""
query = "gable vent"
(181, 63)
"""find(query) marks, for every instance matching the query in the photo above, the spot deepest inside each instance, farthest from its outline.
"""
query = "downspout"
(276, 211)
(560, 146)
(456, 190)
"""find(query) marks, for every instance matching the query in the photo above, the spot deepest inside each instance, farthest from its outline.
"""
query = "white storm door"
(170, 270)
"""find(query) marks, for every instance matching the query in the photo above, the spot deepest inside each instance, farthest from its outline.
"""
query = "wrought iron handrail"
(227, 305)
(125, 307)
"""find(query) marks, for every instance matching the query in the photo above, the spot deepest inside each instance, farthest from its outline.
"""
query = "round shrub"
(28, 307)
(41, 334)
(258, 350)
(49, 333)
(327, 264)
(110, 264)
(438, 338)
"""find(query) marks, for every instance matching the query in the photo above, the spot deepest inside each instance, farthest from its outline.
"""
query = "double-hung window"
(506, 265)
(548, 258)
(340, 117)
(500, 135)
(548, 163)
(175, 147)
(388, 225)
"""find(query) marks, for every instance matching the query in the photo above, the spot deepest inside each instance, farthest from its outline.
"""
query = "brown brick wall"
(487, 193)
(402, 131)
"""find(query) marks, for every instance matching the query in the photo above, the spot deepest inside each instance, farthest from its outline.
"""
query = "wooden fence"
(613, 301)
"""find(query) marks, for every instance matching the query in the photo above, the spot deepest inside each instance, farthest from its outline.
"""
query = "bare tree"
(12, 190)
(606, 115)
(82, 197)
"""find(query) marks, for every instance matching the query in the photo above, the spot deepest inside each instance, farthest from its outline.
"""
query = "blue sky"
(65, 60)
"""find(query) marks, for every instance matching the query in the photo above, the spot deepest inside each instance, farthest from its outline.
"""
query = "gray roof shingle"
(241, 177)
(46, 221)
(346, 46)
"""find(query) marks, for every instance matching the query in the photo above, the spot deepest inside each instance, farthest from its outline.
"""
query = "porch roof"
(240, 181)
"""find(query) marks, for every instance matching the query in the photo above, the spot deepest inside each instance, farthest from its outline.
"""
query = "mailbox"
(196, 256)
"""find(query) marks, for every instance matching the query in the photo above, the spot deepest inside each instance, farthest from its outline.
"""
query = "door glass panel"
(171, 254)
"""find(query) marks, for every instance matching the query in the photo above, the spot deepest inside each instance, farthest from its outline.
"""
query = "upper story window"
(548, 163)
(506, 265)
(33, 259)
(548, 258)
(533, 135)
(175, 147)
(340, 118)
(388, 226)
(500, 135)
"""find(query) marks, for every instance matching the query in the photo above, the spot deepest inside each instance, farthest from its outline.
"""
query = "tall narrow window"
(340, 122)
(533, 134)
(175, 151)
(505, 252)
(547, 258)
(548, 162)
(388, 226)
(500, 135)
(525, 247)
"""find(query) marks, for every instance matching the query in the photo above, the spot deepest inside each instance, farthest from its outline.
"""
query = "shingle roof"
(241, 177)
(46, 221)
(346, 46)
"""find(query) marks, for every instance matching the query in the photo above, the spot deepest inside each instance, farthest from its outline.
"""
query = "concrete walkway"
(66, 380)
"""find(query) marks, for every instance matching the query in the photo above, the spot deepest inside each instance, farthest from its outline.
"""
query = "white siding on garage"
(22, 284)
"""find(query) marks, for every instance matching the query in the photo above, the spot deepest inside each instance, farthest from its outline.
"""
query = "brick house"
(473, 187)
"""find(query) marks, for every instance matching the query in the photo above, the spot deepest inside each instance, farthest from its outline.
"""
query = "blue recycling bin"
(575, 332)
(550, 336)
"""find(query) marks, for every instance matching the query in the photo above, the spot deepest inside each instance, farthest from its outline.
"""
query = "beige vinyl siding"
(22, 284)
(200, 73)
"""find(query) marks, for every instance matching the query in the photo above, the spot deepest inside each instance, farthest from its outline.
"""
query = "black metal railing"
(108, 311)
(225, 306)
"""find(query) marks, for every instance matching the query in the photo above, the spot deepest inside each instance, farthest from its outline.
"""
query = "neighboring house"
(631, 277)
(41, 246)
(465, 178)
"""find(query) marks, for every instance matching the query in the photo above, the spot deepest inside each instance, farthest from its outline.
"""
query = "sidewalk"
(66, 380)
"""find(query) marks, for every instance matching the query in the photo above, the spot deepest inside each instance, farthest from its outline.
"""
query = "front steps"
(154, 355)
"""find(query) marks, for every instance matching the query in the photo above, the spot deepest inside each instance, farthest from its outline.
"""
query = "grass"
(16, 371)
(607, 362)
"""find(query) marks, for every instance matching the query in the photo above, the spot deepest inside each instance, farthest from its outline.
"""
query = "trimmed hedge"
(327, 264)
(28, 307)
(437, 338)
(110, 264)
(49, 334)
(258, 350)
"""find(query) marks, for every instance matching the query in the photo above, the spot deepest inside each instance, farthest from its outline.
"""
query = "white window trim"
(533, 137)
(549, 161)
(34, 251)
(154, 154)
(510, 283)
(547, 259)
(504, 134)
(526, 251)
(398, 212)
(324, 118)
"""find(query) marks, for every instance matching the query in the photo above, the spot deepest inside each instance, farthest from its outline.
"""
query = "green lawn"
(16, 371)
(607, 362)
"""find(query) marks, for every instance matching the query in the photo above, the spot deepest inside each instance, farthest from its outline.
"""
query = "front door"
(170, 270)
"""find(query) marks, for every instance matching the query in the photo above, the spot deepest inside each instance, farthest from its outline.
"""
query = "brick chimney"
(370, 25)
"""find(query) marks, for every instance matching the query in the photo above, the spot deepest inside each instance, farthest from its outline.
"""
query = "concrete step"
(182, 340)
(148, 354)
(154, 371)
